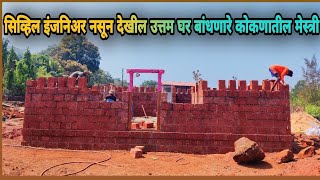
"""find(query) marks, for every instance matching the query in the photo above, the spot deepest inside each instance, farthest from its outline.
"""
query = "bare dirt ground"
(20, 161)
(28, 161)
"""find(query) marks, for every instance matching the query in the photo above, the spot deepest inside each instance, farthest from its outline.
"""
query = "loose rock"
(285, 156)
(247, 151)
(307, 152)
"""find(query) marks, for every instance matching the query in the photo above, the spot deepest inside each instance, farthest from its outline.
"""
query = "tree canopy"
(8, 78)
(5, 52)
(78, 48)
(306, 93)
(149, 83)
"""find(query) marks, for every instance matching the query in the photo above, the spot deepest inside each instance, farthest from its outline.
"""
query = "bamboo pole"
(145, 114)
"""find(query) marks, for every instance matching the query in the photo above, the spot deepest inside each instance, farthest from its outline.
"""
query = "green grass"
(313, 110)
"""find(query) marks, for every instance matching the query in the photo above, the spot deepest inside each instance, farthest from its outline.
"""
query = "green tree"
(54, 68)
(306, 93)
(51, 51)
(298, 88)
(25, 69)
(297, 102)
(100, 77)
(72, 66)
(311, 74)
(149, 83)
(8, 78)
(5, 52)
(79, 49)
(51, 66)
(118, 82)
(30, 66)
(20, 78)
(42, 72)
(40, 60)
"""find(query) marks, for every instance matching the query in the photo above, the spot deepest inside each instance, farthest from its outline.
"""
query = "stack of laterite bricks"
(143, 125)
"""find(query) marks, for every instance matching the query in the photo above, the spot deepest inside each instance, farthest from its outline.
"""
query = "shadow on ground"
(258, 165)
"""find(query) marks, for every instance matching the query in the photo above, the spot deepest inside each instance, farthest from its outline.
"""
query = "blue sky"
(217, 57)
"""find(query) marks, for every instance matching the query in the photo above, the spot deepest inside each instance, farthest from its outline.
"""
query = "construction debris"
(285, 156)
(302, 141)
(247, 151)
(11, 133)
(12, 110)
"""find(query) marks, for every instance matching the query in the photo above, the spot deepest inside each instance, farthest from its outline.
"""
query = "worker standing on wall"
(279, 72)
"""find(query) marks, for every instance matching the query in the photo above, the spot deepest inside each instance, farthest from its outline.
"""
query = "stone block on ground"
(136, 153)
(142, 148)
(247, 151)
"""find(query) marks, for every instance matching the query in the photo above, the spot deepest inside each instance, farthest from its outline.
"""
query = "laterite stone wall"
(61, 114)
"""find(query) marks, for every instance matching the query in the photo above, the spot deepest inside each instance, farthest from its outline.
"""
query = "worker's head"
(111, 92)
(290, 73)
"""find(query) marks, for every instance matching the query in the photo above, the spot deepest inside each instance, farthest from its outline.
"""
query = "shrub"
(313, 110)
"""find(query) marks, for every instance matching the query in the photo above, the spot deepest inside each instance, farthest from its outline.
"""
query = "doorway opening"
(144, 102)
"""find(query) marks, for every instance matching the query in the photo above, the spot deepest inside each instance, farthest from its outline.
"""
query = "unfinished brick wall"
(252, 110)
(59, 104)
(59, 114)
(181, 96)
(142, 96)
(146, 97)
